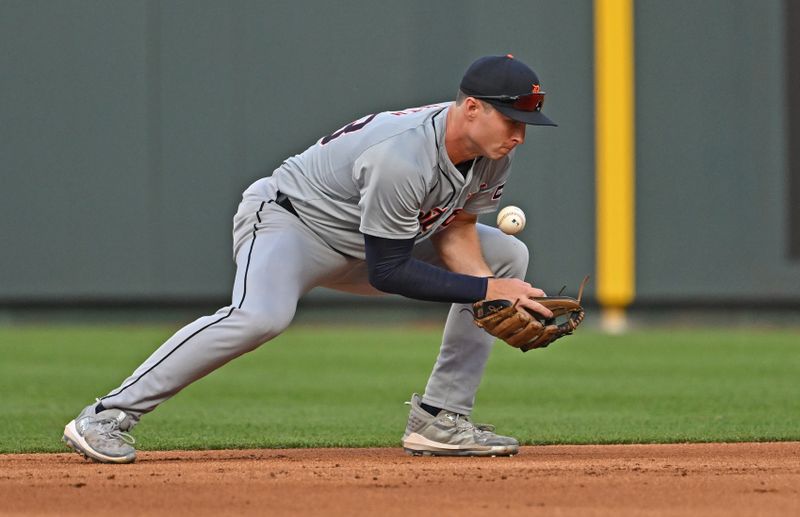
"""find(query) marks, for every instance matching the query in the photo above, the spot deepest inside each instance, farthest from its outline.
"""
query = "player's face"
(496, 135)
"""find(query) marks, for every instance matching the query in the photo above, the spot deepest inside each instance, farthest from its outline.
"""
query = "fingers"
(516, 289)
(535, 307)
(536, 293)
(530, 291)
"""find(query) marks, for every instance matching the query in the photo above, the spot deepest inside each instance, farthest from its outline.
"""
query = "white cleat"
(452, 434)
(99, 437)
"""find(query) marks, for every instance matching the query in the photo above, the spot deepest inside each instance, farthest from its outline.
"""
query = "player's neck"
(459, 148)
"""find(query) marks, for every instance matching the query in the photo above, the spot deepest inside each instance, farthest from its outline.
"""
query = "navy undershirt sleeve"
(392, 269)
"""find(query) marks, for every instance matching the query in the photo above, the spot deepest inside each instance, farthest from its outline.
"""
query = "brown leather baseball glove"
(525, 330)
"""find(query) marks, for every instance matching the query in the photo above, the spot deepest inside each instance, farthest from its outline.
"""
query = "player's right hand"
(519, 291)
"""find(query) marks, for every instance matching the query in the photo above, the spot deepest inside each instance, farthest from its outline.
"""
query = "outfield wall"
(129, 130)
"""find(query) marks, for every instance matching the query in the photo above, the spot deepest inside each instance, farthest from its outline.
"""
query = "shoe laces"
(462, 422)
(486, 428)
(110, 428)
(465, 422)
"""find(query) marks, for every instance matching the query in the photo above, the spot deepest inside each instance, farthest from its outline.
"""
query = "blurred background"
(130, 129)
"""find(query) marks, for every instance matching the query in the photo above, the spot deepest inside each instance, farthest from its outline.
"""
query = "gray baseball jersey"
(387, 175)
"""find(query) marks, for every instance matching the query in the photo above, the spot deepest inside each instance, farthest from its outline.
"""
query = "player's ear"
(472, 107)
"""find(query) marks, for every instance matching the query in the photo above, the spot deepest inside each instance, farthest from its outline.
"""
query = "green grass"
(342, 386)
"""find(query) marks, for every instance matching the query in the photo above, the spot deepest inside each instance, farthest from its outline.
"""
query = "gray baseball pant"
(277, 264)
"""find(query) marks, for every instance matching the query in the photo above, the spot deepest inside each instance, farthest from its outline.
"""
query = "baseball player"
(387, 204)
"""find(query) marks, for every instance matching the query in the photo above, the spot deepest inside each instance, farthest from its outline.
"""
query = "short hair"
(461, 97)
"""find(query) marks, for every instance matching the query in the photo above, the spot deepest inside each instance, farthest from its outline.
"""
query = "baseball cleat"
(99, 437)
(452, 434)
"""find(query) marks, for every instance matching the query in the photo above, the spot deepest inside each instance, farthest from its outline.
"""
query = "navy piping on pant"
(250, 253)
(247, 267)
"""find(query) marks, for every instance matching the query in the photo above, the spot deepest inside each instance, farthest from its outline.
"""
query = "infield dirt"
(680, 479)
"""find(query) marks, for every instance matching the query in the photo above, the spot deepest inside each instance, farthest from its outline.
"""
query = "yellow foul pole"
(614, 144)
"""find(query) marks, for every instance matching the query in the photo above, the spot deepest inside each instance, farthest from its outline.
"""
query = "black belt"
(282, 200)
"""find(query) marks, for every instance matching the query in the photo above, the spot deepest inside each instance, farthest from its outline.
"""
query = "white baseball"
(511, 220)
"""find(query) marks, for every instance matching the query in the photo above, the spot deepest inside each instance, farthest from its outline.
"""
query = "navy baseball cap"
(509, 85)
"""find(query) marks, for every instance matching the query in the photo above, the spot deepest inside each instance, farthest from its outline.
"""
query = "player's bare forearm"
(460, 249)
(459, 246)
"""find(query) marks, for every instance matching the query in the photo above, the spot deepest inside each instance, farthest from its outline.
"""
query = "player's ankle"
(433, 410)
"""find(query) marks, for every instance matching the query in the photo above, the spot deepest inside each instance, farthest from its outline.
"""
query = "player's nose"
(518, 135)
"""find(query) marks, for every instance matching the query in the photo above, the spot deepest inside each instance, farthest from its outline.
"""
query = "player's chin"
(500, 153)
